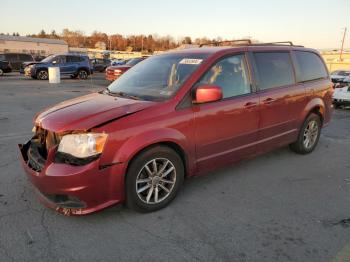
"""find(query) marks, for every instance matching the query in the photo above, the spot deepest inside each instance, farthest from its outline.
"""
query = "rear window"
(273, 69)
(310, 66)
(2, 57)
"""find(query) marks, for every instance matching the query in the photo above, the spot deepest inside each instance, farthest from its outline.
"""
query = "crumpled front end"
(71, 189)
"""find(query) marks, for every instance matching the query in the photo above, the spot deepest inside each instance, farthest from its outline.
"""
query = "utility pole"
(342, 44)
(141, 43)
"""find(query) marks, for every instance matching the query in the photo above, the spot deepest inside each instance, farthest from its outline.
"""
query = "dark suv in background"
(100, 65)
(16, 59)
(5, 67)
(73, 65)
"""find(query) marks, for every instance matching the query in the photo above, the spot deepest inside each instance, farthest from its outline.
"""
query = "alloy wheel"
(310, 134)
(83, 74)
(155, 181)
(42, 75)
(1, 72)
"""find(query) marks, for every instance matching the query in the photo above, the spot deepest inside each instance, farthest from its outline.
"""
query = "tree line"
(144, 43)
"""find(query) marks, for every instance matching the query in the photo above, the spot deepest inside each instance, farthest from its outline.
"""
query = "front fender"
(131, 147)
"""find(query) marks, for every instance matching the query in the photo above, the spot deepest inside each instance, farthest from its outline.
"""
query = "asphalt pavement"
(277, 207)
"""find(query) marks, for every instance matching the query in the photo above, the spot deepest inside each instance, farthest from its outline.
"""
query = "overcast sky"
(312, 23)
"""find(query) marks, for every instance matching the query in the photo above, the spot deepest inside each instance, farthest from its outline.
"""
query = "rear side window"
(273, 69)
(74, 59)
(12, 57)
(25, 58)
(310, 66)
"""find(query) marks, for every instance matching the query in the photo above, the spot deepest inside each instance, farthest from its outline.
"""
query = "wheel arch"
(88, 70)
(171, 138)
(315, 106)
(171, 144)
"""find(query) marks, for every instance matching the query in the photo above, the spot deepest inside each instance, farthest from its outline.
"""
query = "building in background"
(30, 45)
(99, 53)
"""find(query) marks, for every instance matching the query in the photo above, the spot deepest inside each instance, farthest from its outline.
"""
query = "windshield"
(133, 61)
(157, 78)
(48, 59)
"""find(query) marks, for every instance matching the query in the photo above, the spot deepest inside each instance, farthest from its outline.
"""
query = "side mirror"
(54, 62)
(208, 93)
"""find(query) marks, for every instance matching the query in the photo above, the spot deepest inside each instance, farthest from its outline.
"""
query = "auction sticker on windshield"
(191, 61)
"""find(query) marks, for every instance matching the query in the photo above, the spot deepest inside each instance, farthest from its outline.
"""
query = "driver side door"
(227, 130)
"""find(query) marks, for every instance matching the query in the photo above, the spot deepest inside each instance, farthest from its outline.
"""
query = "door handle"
(269, 100)
(250, 104)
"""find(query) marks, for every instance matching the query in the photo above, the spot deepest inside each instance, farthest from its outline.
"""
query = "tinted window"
(273, 70)
(58, 59)
(310, 66)
(24, 58)
(12, 57)
(73, 59)
(2, 57)
(230, 74)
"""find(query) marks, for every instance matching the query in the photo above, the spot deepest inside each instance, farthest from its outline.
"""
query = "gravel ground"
(277, 207)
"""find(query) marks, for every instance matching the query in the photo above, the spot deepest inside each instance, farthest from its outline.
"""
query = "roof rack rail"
(248, 42)
(276, 43)
(234, 42)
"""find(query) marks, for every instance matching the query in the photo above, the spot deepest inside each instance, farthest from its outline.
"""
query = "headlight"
(82, 145)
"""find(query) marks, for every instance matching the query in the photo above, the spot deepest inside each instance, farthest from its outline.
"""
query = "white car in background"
(339, 75)
(341, 97)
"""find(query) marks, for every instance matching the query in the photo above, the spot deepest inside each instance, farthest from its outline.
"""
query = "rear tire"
(83, 74)
(1, 72)
(153, 179)
(309, 135)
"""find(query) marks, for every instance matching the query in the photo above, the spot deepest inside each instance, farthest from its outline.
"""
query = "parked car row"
(74, 65)
(340, 78)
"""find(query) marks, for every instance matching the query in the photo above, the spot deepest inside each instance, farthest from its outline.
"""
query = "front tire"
(1, 72)
(153, 179)
(42, 75)
(309, 135)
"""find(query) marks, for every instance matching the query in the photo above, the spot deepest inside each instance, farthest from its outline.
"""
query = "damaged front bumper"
(72, 190)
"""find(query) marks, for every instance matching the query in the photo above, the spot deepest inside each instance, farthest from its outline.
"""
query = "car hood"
(34, 63)
(86, 112)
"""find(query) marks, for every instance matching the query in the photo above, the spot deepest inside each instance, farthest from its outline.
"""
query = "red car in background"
(113, 72)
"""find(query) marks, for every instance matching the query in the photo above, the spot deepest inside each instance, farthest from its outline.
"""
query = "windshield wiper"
(122, 94)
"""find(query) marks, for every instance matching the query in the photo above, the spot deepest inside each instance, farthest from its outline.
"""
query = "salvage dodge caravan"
(173, 116)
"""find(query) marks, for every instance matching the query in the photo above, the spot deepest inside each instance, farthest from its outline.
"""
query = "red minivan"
(173, 116)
